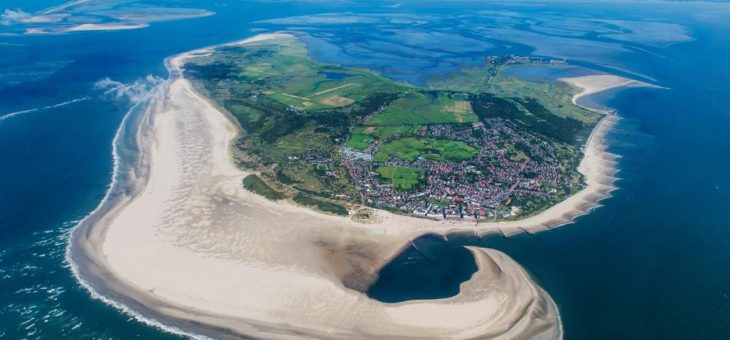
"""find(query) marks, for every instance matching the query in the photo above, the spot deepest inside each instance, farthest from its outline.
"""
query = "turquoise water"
(652, 263)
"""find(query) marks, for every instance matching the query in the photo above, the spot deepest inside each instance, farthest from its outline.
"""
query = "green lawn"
(401, 177)
(424, 108)
(359, 139)
(435, 149)
(440, 202)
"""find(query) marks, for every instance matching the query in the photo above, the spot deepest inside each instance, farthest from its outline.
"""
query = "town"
(511, 166)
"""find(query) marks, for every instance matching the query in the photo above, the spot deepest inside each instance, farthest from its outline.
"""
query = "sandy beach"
(188, 247)
(593, 84)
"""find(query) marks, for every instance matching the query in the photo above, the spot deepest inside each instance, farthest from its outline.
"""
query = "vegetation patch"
(401, 177)
(530, 114)
(424, 107)
(321, 204)
(385, 132)
(337, 101)
(411, 148)
(555, 96)
(360, 138)
(257, 185)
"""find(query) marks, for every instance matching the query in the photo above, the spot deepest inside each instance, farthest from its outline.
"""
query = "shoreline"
(192, 269)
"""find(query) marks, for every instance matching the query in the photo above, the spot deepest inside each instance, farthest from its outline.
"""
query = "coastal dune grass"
(257, 185)
(321, 204)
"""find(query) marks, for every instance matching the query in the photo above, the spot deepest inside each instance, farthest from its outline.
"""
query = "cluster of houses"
(322, 161)
(516, 59)
(511, 164)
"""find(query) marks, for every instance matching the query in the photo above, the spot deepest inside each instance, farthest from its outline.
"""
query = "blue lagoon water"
(652, 263)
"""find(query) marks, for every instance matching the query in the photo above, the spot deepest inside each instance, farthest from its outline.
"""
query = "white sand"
(105, 27)
(592, 84)
(86, 28)
(196, 251)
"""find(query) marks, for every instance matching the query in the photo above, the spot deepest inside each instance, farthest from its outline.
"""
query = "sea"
(653, 262)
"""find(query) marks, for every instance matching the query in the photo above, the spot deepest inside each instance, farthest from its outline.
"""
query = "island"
(268, 190)
(339, 138)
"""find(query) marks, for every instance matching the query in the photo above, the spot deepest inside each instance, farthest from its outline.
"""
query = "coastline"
(217, 260)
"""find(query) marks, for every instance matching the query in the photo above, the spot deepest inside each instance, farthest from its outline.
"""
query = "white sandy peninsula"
(194, 250)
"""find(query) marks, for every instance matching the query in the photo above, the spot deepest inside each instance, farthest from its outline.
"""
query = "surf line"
(44, 108)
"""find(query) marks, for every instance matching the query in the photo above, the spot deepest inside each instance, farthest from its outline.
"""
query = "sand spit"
(592, 84)
(191, 249)
(106, 27)
(87, 27)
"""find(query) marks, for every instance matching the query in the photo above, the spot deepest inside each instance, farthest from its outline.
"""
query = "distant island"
(473, 145)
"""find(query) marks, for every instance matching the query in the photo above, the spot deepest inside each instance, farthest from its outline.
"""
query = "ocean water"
(652, 263)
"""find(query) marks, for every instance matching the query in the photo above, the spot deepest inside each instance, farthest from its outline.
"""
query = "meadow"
(403, 178)
(425, 107)
(411, 148)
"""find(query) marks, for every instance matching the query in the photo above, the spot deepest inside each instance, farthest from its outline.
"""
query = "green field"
(401, 177)
(440, 202)
(410, 149)
(420, 108)
(360, 139)
(385, 132)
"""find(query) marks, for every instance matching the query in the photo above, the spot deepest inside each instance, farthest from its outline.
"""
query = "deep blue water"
(653, 263)
(434, 270)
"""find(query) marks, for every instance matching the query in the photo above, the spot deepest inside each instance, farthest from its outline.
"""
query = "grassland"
(292, 78)
(282, 71)
(543, 107)
(385, 132)
(425, 107)
(360, 138)
(411, 148)
(401, 177)
(554, 96)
